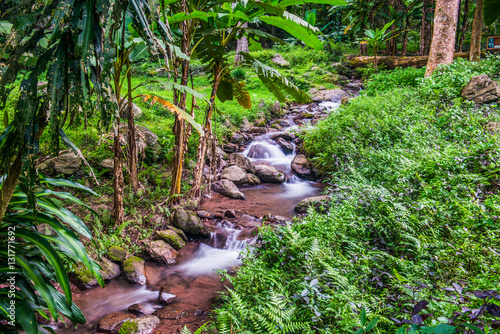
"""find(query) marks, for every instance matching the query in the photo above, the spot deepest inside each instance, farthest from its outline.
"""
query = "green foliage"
(398, 78)
(34, 261)
(412, 234)
(129, 327)
(238, 74)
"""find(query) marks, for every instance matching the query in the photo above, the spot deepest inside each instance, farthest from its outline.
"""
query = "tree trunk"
(117, 178)
(132, 147)
(241, 46)
(397, 62)
(363, 49)
(205, 139)
(465, 24)
(404, 47)
(426, 28)
(443, 38)
(475, 38)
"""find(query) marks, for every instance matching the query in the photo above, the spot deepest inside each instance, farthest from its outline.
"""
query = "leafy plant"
(378, 36)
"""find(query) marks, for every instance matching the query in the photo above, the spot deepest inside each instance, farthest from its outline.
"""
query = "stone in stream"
(112, 322)
(228, 188)
(481, 89)
(162, 252)
(204, 214)
(187, 221)
(236, 138)
(270, 174)
(141, 309)
(179, 232)
(285, 135)
(133, 267)
(236, 175)
(84, 279)
(143, 325)
(171, 238)
(330, 95)
(117, 254)
(276, 110)
(303, 167)
(67, 164)
(320, 204)
(257, 129)
(230, 213)
(165, 297)
(286, 146)
(230, 147)
(242, 162)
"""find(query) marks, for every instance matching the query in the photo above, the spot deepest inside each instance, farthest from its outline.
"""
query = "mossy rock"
(83, 277)
(133, 267)
(171, 238)
(179, 232)
(187, 221)
(117, 254)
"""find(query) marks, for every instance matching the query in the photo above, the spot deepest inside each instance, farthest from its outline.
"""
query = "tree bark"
(132, 147)
(241, 46)
(465, 24)
(117, 177)
(405, 38)
(475, 38)
(443, 37)
(426, 28)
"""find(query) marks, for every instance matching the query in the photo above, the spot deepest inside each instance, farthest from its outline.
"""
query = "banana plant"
(31, 262)
(375, 37)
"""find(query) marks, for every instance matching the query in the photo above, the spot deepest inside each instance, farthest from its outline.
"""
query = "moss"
(131, 264)
(117, 254)
(171, 238)
(83, 277)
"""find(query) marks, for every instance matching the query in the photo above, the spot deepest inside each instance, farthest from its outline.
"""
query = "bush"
(398, 78)
(238, 74)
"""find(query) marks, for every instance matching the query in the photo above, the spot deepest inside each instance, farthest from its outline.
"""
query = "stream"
(194, 280)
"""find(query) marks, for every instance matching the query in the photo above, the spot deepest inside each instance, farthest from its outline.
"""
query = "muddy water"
(194, 280)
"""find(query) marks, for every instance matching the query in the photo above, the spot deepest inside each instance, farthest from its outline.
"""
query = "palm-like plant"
(31, 262)
(375, 37)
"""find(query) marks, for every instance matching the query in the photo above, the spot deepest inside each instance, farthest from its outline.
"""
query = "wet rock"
(179, 232)
(481, 89)
(230, 213)
(345, 100)
(166, 298)
(218, 215)
(353, 86)
(143, 325)
(236, 138)
(312, 91)
(251, 180)
(162, 252)
(270, 174)
(227, 188)
(84, 279)
(171, 238)
(331, 95)
(320, 204)
(276, 110)
(110, 270)
(107, 164)
(204, 214)
(276, 126)
(133, 267)
(317, 99)
(257, 129)
(285, 135)
(303, 167)
(280, 61)
(245, 125)
(141, 309)
(178, 312)
(242, 162)
(117, 254)
(187, 221)
(261, 122)
(286, 146)
(307, 115)
(112, 322)
(236, 175)
(67, 164)
(230, 148)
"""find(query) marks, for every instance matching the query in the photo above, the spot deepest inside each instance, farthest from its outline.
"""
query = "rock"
(230, 148)
(84, 279)
(331, 95)
(261, 122)
(286, 146)
(303, 167)
(220, 154)
(276, 126)
(228, 188)
(312, 91)
(236, 138)
(317, 99)
(279, 60)
(345, 100)
(107, 164)
(204, 214)
(307, 115)
(67, 164)
(218, 215)
(144, 138)
(133, 267)
(276, 110)
(270, 174)
(150, 138)
(110, 270)
(238, 176)
(242, 162)
(320, 204)
(143, 325)
(262, 104)
(481, 89)
(136, 111)
(117, 254)
(257, 129)
(141, 309)
(179, 232)
(245, 125)
(187, 221)
(112, 321)
(285, 135)
(166, 298)
(230, 213)
(162, 252)
(353, 86)
(171, 238)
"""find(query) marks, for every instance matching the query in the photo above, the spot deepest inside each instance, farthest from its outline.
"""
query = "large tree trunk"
(241, 46)
(465, 24)
(443, 38)
(475, 38)
(206, 139)
(426, 28)
(132, 147)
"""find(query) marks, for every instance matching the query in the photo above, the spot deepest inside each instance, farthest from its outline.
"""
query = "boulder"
(107, 164)
(276, 110)
(230, 148)
(136, 111)
(67, 164)
(228, 189)
(285, 135)
(242, 162)
(280, 61)
(331, 95)
(110, 270)
(187, 221)
(320, 204)
(245, 125)
(162, 252)
(134, 270)
(84, 279)
(286, 146)
(270, 174)
(303, 167)
(230, 213)
(204, 214)
(234, 174)
(257, 129)
(143, 325)
(353, 86)
(236, 138)
(481, 89)
(141, 309)
(150, 138)
(117, 254)
(179, 232)
(171, 238)
(112, 322)
(261, 122)
(312, 91)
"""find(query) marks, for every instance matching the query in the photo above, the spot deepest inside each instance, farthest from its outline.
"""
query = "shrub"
(238, 74)
(398, 78)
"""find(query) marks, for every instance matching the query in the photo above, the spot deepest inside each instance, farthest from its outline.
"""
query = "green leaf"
(66, 183)
(287, 3)
(371, 325)
(5, 27)
(473, 328)
(362, 316)
(66, 216)
(359, 331)
(294, 29)
(444, 329)
(491, 11)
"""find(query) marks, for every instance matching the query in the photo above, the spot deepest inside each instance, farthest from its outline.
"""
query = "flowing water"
(194, 280)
